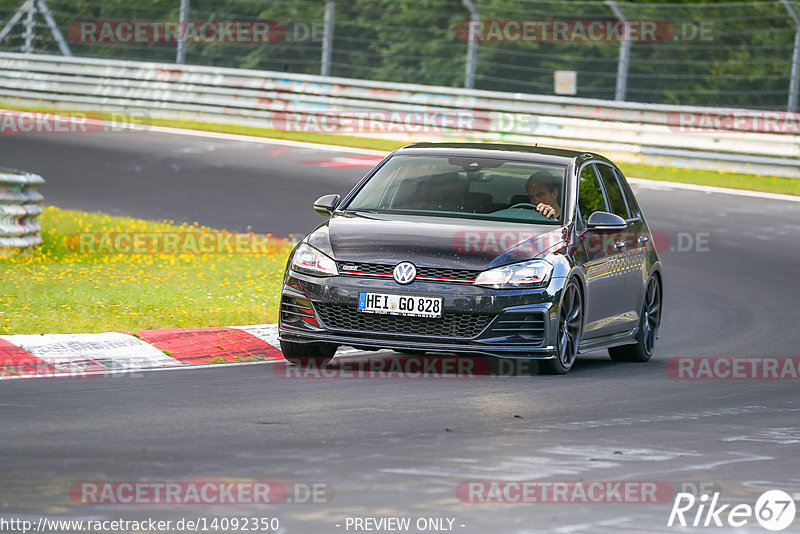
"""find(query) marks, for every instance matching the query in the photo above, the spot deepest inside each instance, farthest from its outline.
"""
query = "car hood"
(433, 241)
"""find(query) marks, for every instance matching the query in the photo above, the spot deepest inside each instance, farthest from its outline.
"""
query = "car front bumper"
(506, 323)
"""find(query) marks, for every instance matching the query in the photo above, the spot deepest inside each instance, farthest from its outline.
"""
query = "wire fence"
(723, 54)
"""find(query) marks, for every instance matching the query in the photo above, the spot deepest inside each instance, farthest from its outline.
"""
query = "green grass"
(56, 288)
(752, 182)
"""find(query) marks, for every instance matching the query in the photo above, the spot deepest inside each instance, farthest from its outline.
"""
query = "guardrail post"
(472, 45)
(327, 38)
(30, 28)
(20, 204)
(180, 55)
(51, 23)
(13, 21)
(795, 77)
(29, 8)
(624, 52)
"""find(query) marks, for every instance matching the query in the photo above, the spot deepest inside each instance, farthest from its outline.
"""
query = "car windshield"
(465, 186)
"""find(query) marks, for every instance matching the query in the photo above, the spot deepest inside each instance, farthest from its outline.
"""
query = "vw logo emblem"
(404, 273)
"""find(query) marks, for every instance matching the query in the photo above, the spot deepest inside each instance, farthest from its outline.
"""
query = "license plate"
(400, 305)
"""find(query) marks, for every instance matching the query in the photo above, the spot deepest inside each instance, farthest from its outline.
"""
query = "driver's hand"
(546, 209)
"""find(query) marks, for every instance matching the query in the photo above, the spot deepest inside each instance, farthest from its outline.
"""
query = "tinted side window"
(590, 196)
(613, 192)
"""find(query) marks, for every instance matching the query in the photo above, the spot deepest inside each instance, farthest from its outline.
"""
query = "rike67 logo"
(774, 510)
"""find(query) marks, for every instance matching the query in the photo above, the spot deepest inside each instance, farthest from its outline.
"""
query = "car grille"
(377, 269)
(453, 325)
(527, 327)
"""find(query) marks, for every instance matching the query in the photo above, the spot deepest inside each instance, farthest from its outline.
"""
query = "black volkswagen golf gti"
(506, 251)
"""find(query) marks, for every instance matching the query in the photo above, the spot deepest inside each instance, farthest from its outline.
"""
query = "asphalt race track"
(400, 448)
(229, 185)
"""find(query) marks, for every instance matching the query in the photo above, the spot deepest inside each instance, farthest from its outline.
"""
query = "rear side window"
(590, 195)
(616, 201)
(633, 206)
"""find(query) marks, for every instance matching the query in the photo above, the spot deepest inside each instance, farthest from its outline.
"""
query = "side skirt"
(605, 342)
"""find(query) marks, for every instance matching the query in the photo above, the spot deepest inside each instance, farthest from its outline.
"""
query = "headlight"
(309, 260)
(534, 273)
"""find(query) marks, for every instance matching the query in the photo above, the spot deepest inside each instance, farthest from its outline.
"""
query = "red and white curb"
(78, 355)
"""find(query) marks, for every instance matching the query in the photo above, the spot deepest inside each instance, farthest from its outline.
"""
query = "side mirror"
(325, 205)
(602, 220)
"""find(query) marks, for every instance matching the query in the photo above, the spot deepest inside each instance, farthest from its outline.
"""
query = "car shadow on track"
(391, 365)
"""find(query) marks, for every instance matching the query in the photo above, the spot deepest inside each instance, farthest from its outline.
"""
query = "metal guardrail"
(640, 133)
(20, 204)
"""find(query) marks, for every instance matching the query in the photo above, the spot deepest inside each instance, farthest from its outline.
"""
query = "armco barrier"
(20, 204)
(626, 131)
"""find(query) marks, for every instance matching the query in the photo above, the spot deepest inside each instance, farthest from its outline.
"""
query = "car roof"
(526, 152)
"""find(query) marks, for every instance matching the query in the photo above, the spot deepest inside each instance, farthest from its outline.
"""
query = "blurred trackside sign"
(566, 82)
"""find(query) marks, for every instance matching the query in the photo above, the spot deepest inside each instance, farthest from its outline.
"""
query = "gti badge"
(405, 273)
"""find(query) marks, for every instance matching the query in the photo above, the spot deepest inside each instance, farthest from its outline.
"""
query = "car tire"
(308, 354)
(649, 321)
(570, 330)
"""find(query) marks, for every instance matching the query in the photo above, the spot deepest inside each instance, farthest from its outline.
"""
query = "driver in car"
(543, 192)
